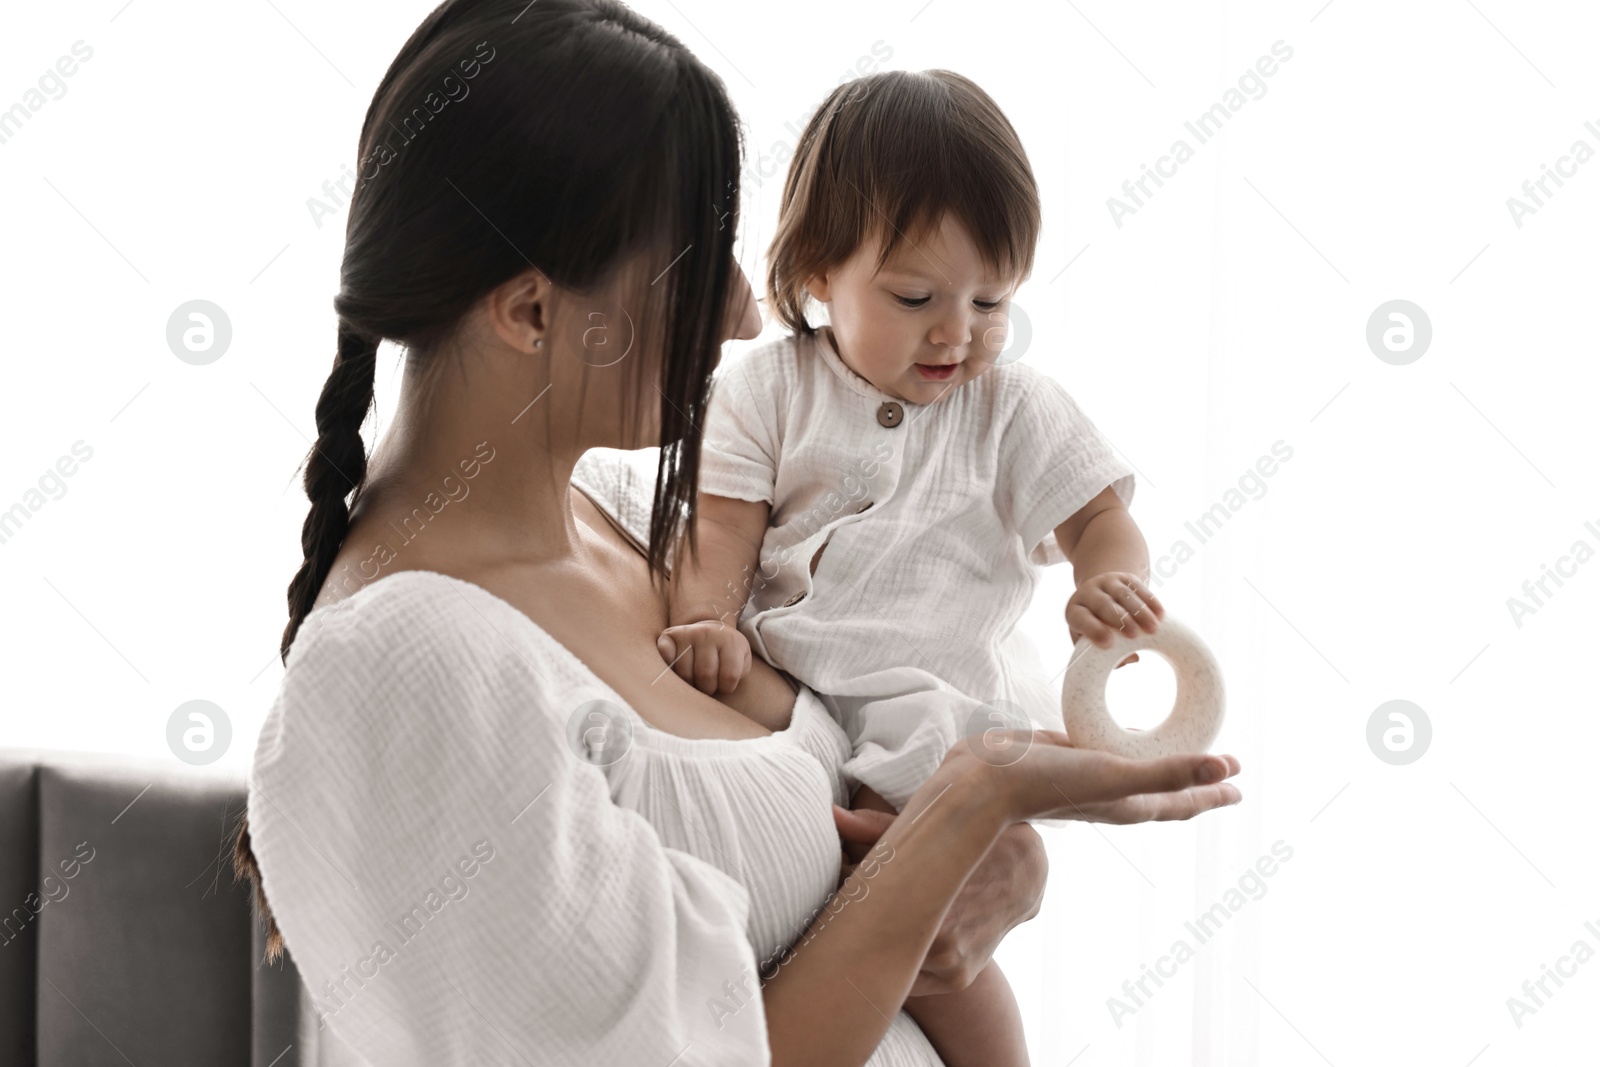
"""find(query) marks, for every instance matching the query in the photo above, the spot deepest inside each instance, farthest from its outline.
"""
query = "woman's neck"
(484, 463)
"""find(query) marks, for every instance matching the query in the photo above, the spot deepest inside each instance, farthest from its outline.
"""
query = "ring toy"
(1196, 715)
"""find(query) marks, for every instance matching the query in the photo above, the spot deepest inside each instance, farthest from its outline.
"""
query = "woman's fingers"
(1056, 780)
(1167, 774)
(859, 829)
(861, 826)
(1164, 807)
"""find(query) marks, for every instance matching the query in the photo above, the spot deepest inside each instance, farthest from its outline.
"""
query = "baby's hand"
(1111, 603)
(710, 655)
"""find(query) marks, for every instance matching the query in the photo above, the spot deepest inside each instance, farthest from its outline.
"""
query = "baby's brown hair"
(899, 149)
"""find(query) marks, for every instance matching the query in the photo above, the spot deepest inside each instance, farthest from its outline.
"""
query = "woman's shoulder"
(408, 612)
(409, 678)
(622, 483)
(426, 745)
(408, 648)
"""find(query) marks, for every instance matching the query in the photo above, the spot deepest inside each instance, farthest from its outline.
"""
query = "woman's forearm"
(840, 984)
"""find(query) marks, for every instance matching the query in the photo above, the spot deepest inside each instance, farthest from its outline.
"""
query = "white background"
(1228, 313)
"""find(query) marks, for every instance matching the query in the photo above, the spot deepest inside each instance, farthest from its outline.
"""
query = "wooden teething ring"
(1196, 715)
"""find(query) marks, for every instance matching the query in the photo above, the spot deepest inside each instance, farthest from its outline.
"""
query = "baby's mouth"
(937, 372)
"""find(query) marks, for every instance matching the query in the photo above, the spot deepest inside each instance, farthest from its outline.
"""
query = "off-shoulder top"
(478, 853)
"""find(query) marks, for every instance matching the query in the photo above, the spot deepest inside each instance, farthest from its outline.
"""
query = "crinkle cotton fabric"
(479, 854)
(905, 543)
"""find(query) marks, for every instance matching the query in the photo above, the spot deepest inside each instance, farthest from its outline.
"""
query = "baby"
(878, 497)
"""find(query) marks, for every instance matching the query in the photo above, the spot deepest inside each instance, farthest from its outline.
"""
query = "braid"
(337, 465)
(576, 78)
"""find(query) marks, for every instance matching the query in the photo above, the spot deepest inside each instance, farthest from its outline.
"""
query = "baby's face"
(932, 320)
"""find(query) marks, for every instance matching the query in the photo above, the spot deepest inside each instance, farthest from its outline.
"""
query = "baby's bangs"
(909, 148)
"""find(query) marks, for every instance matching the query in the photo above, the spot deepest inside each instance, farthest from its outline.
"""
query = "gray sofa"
(123, 936)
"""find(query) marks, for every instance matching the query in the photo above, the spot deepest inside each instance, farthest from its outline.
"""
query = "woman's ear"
(518, 309)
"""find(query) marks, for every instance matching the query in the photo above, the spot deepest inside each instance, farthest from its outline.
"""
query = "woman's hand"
(922, 863)
(1004, 891)
(1049, 778)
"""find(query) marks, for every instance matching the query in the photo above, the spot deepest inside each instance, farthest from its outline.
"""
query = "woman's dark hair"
(571, 136)
(888, 155)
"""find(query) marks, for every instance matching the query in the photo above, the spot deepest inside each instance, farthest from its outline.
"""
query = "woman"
(487, 822)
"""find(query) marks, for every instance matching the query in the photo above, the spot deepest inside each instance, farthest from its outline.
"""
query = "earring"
(538, 342)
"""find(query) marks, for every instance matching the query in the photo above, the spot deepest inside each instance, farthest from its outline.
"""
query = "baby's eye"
(911, 301)
(987, 305)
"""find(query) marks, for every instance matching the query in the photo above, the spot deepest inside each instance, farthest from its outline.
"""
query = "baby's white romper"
(905, 542)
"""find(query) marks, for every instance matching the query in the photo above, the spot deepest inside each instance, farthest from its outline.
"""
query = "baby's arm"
(1110, 564)
(708, 591)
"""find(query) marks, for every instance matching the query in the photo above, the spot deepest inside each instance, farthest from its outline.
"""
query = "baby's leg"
(979, 1026)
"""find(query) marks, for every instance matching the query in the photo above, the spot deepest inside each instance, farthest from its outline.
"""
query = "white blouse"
(478, 853)
(905, 543)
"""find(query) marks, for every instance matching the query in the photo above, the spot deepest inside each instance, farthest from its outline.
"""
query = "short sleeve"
(1053, 461)
(739, 448)
(453, 881)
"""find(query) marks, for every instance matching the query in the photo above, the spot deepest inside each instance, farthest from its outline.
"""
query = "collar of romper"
(822, 341)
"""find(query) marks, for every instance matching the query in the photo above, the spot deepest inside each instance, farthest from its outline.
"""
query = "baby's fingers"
(733, 662)
(678, 649)
(683, 666)
(705, 667)
(1148, 597)
(1082, 620)
(1099, 617)
(1136, 598)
